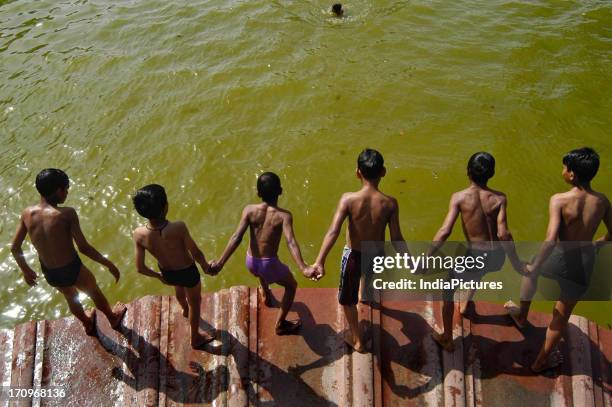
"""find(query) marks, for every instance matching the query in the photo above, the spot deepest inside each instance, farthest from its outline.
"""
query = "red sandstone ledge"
(150, 362)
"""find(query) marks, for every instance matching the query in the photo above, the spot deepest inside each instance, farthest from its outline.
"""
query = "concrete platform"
(150, 363)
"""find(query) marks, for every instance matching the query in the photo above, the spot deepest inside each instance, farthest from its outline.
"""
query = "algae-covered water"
(202, 96)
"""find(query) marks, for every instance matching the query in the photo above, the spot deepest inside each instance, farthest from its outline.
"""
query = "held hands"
(30, 277)
(215, 267)
(520, 266)
(309, 272)
(317, 271)
(529, 268)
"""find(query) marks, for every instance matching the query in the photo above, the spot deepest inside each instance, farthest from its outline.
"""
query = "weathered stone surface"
(150, 362)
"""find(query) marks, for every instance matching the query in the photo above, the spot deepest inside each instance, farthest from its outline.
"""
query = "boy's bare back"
(167, 244)
(266, 228)
(480, 209)
(369, 212)
(50, 229)
(580, 212)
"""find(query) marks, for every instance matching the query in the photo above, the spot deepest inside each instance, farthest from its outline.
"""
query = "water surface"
(202, 96)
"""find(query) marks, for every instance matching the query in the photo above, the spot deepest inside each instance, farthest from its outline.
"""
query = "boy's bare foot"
(514, 311)
(467, 307)
(445, 342)
(119, 311)
(90, 328)
(287, 327)
(202, 340)
(357, 345)
(554, 359)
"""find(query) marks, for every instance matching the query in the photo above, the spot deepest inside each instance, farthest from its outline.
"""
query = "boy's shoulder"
(253, 207)
(285, 213)
(67, 211)
(471, 191)
(177, 226)
(59, 212)
(360, 195)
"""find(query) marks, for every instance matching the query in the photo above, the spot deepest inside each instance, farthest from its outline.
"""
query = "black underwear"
(188, 277)
(64, 276)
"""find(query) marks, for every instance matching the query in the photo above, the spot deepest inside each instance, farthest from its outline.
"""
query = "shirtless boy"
(574, 216)
(267, 223)
(483, 217)
(53, 231)
(369, 212)
(176, 253)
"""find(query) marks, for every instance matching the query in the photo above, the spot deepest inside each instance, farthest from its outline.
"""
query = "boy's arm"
(395, 232)
(504, 235)
(447, 226)
(141, 266)
(84, 246)
(608, 222)
(29, 275)
(195, 251)
(235, 240)
(292, 243)
(552, 232)
(332, 234)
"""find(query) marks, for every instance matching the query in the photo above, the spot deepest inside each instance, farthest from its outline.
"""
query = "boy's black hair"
(371, 164)
(584, 162)
(150, 201)
(269, 186)
(49, 180)
(337, 8)
(481, 167)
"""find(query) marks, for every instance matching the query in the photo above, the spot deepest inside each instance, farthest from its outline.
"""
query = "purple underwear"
(271, 269)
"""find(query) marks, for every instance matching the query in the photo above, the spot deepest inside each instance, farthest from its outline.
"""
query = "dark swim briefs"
(350, 277)
(188, 277)
(64, 276)
(571, 268)
(493, 260)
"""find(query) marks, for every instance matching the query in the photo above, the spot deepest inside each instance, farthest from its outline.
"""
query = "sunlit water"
(202, 96)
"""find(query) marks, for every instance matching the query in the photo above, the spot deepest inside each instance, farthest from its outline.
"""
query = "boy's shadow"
(138, 366)
(284, 388)
(515, 357)
(412, 356)
(322, 339)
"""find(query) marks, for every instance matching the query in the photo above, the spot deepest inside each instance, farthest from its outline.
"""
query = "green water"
(202, 96)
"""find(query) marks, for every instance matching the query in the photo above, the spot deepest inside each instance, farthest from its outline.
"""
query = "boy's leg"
(194, 299)
(86, 282)
(445, 339)
(529, 284)
(467, 301)
(267, 294)
(282, 325)
(182, 299)
(352, 317)
(71, 295)
(546, 358)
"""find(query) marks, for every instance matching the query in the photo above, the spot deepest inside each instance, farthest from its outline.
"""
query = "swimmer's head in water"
(269, 187)
(52, 184)
(337, 9)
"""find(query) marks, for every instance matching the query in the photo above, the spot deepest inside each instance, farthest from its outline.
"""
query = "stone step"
(149, 362)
